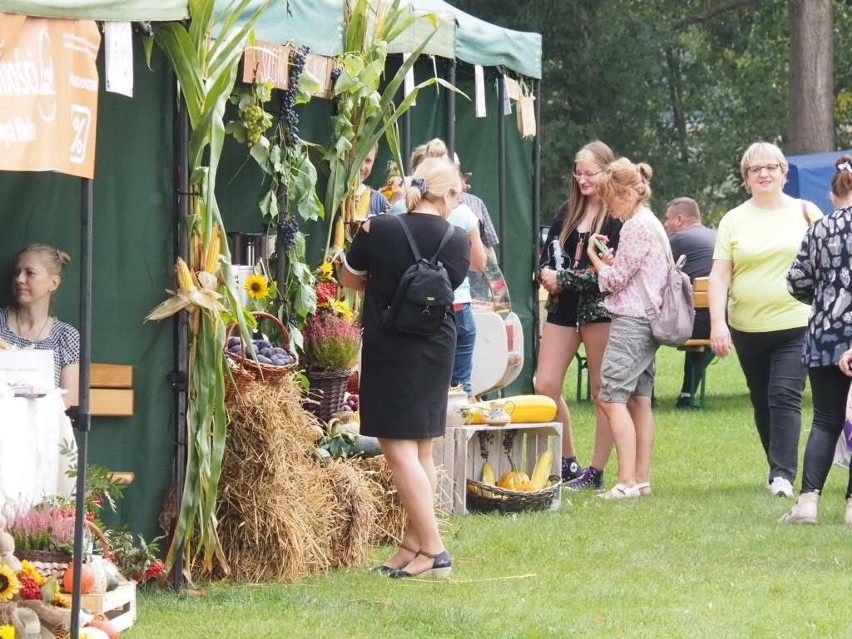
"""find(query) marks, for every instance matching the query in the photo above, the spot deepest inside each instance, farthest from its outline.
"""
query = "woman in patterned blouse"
(629, 361)
(821, 276)
(28, 323)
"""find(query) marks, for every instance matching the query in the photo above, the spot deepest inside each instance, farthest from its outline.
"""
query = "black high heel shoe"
(386, 570)
(441, 566)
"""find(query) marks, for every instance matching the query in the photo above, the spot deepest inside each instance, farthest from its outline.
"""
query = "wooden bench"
(111, 390)
(701, 299)
(111, 395)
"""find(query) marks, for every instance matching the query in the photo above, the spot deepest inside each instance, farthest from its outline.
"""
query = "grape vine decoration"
(288, 118)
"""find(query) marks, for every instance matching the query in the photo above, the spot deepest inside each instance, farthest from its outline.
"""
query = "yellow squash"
(488, 476)
(529, 409)
(542, 470)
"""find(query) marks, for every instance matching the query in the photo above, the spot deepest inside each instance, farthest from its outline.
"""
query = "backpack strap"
(417, 257)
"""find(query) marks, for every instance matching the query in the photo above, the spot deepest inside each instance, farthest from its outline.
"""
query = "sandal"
(385, 569)
(644, 488)
(441, 566)
(620, 491)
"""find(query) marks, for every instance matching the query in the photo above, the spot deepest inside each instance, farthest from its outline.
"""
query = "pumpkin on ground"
(102, 623)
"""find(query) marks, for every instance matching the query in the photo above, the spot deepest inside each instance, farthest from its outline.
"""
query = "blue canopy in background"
(810, 176)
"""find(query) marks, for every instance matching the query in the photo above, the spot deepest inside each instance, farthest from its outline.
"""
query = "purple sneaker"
(590, 478)
(571, 469)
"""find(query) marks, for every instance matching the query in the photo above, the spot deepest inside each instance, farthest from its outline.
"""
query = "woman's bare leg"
(624, 436)
(557, 348)
(595, 337)
(643, 421)
(415, 484)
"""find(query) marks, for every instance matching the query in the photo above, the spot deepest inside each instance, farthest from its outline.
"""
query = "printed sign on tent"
(48, 94)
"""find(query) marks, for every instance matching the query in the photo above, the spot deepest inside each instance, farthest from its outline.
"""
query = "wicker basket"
(327, 392)
(485, 498)
(60, 559)
(244, 370)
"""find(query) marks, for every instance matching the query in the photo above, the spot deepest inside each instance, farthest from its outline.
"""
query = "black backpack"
(424, 295)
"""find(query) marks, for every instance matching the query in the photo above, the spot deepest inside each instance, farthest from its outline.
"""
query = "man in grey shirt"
(486, 227)
(689, 237)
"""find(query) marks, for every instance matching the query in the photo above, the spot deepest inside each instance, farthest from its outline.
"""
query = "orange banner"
(48, 94)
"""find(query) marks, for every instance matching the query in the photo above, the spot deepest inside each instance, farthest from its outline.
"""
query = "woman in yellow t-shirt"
(755, 245)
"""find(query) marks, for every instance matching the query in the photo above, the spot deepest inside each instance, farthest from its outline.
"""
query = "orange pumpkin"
(102, 623)
(87, 579)
(515, 480)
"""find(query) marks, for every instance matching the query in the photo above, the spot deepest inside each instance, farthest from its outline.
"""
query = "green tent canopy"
(106, 10)
(318, 24)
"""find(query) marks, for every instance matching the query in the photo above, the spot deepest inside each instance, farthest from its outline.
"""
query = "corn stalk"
(365, 112)
(206, 68)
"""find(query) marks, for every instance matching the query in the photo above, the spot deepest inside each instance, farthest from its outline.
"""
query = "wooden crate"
(118, 605)
(462, 459)
(442, 453)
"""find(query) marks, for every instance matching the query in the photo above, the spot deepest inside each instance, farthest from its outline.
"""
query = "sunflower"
(325, 270)
(9, 584)
(257, 287)
(7, 632)
(341, 307)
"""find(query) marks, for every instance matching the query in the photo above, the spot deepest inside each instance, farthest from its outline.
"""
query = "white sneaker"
(780, 487)
(848, 518)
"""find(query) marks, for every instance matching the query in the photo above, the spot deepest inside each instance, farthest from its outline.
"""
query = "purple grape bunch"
(335, 73)
(287, 112)
(288, 229)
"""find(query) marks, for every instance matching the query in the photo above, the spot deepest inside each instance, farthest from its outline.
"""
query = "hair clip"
(845, 166)
(420, 183)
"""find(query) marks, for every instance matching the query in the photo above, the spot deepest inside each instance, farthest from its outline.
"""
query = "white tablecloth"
(31, 467)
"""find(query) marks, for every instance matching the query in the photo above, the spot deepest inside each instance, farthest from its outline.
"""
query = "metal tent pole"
(406, 142)
(501, 168)
(451, 109)
(81, 418)
(536, 197)
(180, 378)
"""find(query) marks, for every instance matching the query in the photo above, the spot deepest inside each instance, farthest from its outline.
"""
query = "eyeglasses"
(759, 168)
(587, 175)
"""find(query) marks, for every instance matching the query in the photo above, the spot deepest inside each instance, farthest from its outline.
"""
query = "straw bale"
(283, 515)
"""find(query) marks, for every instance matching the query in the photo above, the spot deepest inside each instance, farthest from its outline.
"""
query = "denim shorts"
(629, 361)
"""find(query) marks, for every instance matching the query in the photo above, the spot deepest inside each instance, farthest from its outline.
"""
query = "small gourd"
(515, 480)
(87, 579)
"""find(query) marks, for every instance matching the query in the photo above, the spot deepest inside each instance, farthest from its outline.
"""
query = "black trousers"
(772, 363)
(829, 388)
(695, 362)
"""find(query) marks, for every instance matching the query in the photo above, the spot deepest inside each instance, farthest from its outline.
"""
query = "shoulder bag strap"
(410, 237)
(643, 292)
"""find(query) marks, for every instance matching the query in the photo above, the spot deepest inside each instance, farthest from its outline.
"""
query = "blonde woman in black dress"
(405, 377)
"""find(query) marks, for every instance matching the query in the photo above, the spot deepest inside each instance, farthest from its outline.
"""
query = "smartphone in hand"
(601, 246)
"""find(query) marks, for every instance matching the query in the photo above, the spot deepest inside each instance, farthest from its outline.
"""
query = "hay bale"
(282, 514)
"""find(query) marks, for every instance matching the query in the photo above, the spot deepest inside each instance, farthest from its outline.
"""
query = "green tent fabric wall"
(133, 256)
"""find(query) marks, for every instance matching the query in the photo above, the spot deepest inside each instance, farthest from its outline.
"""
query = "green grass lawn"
(703, 557)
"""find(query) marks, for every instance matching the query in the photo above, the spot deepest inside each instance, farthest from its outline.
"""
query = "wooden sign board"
(264, 62)
(320, 67)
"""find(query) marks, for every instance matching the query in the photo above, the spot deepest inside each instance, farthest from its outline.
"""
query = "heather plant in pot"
(332, 337)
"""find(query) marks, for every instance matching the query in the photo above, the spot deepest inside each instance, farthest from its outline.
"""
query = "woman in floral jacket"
(822, 276)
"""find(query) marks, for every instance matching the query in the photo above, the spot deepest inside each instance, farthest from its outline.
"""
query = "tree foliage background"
(685, 85)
